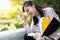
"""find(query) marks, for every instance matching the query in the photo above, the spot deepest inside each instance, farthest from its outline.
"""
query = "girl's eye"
(27, 10)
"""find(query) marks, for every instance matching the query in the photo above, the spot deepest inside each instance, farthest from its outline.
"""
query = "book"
(52, 27)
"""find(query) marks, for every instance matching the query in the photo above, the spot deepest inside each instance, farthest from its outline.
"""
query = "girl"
(36, 12)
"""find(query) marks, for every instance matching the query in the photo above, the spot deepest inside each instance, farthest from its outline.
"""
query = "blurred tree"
(9, 15)
(50, 3)
(39, 2)
(4, 29)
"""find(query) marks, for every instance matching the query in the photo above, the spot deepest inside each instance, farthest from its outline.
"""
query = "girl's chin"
(32, 15)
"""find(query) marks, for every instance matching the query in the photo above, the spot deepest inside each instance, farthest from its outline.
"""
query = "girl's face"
(31, 10)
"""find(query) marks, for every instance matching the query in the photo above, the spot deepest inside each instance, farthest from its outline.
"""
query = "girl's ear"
(33, 5)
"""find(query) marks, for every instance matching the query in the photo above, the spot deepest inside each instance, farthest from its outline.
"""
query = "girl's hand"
(46, 38)
(24, 15)
(37, 36)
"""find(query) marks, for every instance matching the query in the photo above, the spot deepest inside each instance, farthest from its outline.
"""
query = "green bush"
(50, 3)
(19, 24)
(4, 29)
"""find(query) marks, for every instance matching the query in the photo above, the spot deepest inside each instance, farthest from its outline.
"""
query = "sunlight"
(9, 9)
(5, 4)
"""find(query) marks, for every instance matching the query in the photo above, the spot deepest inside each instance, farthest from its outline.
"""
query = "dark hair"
(38, 8)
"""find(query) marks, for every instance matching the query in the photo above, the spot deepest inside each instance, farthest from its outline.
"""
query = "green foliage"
(19, 24)
(3, 29)
(39, 2)
(50, 3)
(29, 20)
(8, 17)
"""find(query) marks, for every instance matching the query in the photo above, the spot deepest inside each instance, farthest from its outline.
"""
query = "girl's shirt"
(41, 25)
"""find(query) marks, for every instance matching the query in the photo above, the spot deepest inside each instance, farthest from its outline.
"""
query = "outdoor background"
(11, 10)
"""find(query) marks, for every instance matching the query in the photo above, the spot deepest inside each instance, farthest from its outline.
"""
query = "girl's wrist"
(51, 38)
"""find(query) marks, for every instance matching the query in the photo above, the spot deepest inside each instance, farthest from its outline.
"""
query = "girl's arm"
(26, 24)
(50, 13)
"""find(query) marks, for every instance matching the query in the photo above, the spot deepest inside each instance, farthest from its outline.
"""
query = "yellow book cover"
(44, 22)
